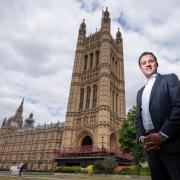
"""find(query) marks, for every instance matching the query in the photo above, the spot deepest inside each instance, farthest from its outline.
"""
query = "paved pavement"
(66, 176)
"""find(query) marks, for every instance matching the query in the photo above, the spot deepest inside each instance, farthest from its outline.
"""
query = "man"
(21, 167)
(158, 119)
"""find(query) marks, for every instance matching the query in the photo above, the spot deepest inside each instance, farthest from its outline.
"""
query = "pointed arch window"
(81, 99)
(91, 60)
(85, 62)
(116, 67)
(94, 103)
(97, 58)
(88, 97)
(113, 100)
(87, 141)
(116, 103)
(112, 66)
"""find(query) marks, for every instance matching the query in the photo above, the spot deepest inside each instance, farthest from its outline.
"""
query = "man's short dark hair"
(147, 53)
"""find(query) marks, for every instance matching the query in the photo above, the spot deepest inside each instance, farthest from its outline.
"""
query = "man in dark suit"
(158, 119)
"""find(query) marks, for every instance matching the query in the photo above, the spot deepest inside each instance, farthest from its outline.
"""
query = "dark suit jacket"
(164, 107)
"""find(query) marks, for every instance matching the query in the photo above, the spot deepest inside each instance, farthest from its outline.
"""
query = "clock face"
(14, 124)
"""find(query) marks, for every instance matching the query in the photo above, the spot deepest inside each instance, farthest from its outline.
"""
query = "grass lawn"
(72, 177)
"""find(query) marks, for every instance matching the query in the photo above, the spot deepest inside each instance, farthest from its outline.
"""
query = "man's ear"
(157, 64)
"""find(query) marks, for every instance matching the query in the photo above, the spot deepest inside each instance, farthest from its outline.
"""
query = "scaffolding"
(90, 152)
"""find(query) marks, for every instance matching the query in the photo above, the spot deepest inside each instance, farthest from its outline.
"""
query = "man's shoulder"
(171, 79)
(171, 75)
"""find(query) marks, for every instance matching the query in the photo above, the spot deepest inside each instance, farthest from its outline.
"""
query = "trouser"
(163, 165)
(20, 171)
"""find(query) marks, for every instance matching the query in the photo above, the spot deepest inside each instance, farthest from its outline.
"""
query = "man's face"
(148, 65)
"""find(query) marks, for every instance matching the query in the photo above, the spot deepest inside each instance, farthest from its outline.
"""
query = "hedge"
(67, 169)
(133, 170)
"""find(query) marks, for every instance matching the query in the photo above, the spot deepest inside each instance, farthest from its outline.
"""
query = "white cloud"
(38, 40)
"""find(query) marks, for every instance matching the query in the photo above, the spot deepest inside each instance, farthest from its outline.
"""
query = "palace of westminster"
(95, 111)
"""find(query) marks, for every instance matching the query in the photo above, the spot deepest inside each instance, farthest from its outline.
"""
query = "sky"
(38, 42)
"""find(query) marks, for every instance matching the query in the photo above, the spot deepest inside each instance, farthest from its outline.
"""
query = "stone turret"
(118, 37)
(18, 115)
(29, 122)
(15, 121)
(82, 29)
(106, 21)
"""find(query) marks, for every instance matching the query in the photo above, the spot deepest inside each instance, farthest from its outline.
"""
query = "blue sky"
(38, 40)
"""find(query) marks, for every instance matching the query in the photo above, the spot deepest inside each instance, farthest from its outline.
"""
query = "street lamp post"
(102, 143)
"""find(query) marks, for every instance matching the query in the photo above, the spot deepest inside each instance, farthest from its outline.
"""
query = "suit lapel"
(156, 83)
(140, 96)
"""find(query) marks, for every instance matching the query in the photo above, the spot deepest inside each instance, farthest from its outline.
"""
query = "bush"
(98, 168)
(133, 170)
(89, 169)
(104, 166)
(67, 169)
(109, 164)
(144, 171)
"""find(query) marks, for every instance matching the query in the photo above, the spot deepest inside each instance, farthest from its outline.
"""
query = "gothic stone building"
(31, 145)
(96, 108)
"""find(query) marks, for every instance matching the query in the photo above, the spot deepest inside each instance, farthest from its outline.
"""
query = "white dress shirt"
(146, 117)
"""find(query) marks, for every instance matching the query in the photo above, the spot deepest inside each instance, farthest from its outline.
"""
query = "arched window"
(112, 67)
(94, 96)
(116, 103)
(112, 141)
(97, 58)
(85, 62)
(88, 97)
(87, 141)
(113, 101)
(81, 99)
(116, 67)
(91, 60)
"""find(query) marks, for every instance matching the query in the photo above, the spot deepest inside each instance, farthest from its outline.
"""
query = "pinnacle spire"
(20, 108)
(118, 36)
(82, 29)
(105, 22)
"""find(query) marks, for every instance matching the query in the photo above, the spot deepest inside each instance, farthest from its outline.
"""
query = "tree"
(127, 138)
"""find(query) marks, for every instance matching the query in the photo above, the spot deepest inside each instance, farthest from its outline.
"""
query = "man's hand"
(152, 141)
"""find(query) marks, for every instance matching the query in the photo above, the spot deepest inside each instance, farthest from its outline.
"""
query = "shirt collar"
(151, 78)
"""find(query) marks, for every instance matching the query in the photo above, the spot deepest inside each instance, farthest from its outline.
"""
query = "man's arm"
(171, 126)
(139, 125)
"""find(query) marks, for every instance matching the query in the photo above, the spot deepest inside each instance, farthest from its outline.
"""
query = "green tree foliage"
(127, 137)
